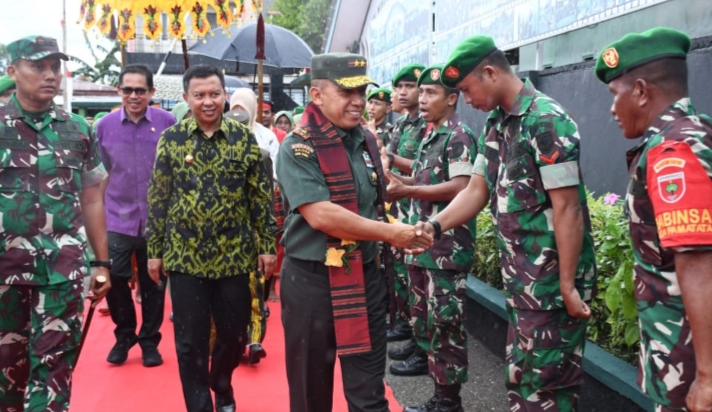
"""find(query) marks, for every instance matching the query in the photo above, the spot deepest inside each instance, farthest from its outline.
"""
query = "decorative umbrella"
(100, 13)
(282, 48)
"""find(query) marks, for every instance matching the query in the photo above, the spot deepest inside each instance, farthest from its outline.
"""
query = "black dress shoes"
(401, 331)
(415, 365)
(120, 352)
(151, 358)
(403, 352)
(257, 352)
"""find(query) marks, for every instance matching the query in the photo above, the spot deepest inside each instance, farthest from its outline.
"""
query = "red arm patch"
(680, 191)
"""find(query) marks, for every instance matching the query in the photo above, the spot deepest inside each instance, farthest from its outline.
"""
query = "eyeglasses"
(128, 91)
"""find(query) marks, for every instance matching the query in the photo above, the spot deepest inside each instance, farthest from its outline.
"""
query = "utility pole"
(64, 50)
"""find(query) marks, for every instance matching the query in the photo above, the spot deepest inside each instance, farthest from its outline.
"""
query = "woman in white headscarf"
(246, 100)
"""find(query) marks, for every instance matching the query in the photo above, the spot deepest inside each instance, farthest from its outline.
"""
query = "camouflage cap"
(34, 48)
(466, 56)
(409, 73)
(346, 70)
(638, 49)
(6, 83)
(380, 93)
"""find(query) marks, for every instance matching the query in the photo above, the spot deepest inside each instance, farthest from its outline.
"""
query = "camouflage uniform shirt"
(46, 160)
(667, 357)
(445, 153)
(521, 155)
(209, 201)
(384, 131)
(408, 132)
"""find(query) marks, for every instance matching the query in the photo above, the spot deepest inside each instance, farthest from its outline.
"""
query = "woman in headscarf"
(246, 100)
(284, 121)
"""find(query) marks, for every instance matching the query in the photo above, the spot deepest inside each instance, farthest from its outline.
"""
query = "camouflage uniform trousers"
(437, 302)
(257, 328)
(543, 364)
(40, 329)
(401, 286)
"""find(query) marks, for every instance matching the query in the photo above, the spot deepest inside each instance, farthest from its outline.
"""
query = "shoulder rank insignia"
(301, 133)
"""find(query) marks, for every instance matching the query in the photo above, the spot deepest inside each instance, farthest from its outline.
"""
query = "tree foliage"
(306, 18)
(4, 59)
(105, 70)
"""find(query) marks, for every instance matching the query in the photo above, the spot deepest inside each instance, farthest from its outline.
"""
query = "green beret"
(381, 94)
(409, 73)
(431, 75)
(6, 83)
(466, 56)
(346, 70)
(635, 50)
(298, 110)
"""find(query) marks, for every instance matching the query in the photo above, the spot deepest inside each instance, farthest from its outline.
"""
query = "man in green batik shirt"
(51, 203)
(527, 168)
(441, 169)
(379, 105)
(210, 223)
(408, 132)
(669, 209)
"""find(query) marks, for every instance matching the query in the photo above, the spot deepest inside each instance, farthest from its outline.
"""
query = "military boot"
(401, 331)
(449, 399)
(429, 406)
(403, 352)
(415, 365)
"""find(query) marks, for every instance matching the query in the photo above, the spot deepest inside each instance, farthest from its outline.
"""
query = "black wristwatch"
(101, 263)
(436, 226)
(391, 156)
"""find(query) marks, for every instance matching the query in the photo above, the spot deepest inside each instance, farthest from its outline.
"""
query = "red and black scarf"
(348, 293)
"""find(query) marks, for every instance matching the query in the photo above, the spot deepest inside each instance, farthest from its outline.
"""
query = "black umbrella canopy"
(283, 48)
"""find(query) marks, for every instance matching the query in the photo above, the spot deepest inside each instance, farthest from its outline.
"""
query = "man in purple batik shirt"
(127, 142)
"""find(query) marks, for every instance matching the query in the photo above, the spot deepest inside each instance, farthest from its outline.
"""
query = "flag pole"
(260, 56)
(65, 93)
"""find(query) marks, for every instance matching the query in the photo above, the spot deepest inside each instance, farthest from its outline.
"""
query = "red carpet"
(100, 386)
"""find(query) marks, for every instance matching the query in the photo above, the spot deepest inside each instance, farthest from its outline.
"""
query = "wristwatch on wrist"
(391, 156)
(101, 263)
(436, 226)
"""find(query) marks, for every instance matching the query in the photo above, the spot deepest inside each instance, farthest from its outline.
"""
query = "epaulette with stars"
(301, 132)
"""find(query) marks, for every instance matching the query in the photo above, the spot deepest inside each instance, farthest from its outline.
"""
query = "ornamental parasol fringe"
(100, 13)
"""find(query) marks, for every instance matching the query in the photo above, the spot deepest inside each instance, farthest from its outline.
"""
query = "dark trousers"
(121, 305)
(195, 300)
(310, 341)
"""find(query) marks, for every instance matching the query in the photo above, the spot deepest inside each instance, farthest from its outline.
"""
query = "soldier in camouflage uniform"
(669, 208)
(438, 277)
(527, 168)
(50, 172)
(408, 132)
(379, 105)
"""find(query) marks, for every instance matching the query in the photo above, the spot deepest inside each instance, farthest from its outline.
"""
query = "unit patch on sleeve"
(679, 188)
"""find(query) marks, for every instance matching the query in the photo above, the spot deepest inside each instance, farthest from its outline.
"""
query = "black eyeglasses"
(128, 91)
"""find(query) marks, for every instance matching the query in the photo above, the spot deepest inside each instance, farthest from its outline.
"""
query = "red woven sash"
(348, 293)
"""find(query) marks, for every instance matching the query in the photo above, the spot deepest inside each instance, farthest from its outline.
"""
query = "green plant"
(614, 318)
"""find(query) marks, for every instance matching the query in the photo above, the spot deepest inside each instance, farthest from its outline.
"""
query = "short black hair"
(202, 72)
(495, 59)
(668, 75)
(139, 69)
